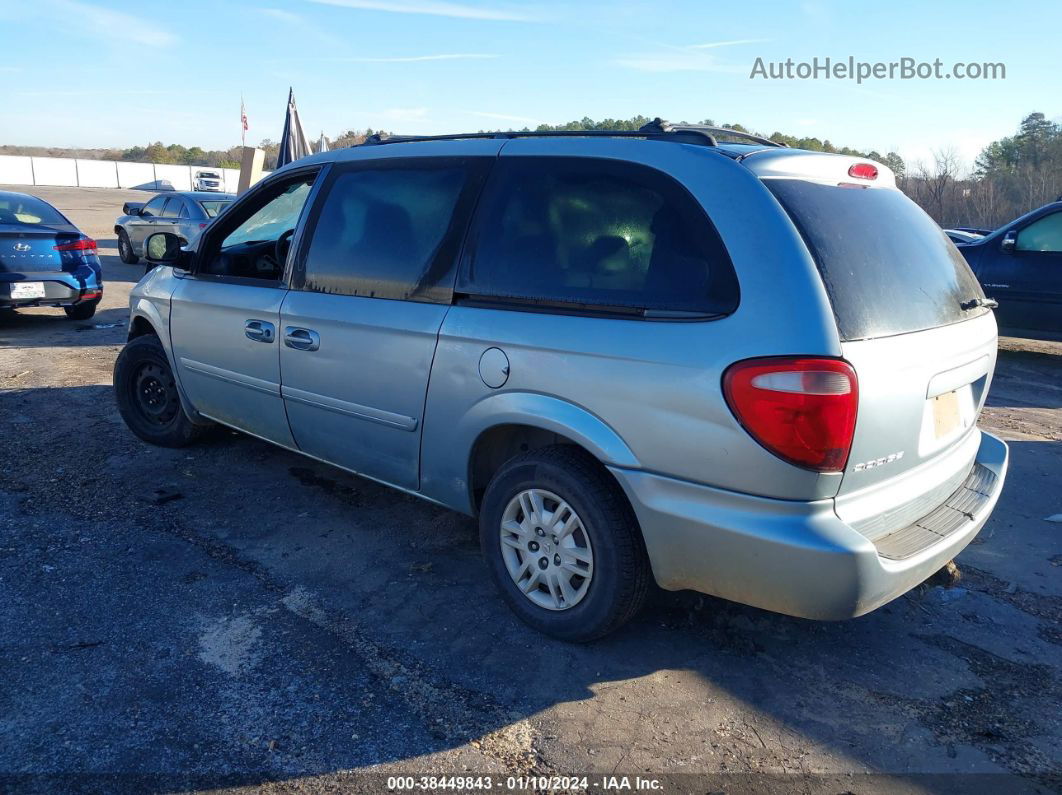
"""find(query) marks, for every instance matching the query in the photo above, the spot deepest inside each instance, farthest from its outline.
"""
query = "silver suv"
(735, 367)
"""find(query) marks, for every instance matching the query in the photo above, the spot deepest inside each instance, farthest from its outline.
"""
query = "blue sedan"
(45, 260)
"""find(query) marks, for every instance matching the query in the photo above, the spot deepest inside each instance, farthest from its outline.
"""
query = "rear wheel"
(125, 249)
(563, 544)
(147, 395)
(81, 311)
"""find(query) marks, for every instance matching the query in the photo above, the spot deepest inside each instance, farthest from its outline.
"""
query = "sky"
(81, 73)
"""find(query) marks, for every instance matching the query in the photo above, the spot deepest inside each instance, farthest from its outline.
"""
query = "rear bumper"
(60, 288)
(791, 557)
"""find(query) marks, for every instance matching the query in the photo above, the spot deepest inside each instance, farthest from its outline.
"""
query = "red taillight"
(84, 244)
(864, 171)
(801, 409)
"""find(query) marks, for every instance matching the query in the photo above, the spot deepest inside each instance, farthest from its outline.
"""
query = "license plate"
(27, 290)
(946, 415)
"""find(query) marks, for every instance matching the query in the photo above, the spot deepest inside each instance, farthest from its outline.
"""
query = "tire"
(147, 396)
(81, 311)
(567, 483)
(125, 249)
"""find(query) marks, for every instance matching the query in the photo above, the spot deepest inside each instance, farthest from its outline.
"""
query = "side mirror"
(165, 248)
(132, 208)
(1010, 240)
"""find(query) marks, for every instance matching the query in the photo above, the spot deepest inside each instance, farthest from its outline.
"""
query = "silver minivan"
(681, 353)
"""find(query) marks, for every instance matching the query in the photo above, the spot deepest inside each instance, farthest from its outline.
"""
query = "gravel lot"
(236, 615)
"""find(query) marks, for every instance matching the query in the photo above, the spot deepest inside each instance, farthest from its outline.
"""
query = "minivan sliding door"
(359, 328)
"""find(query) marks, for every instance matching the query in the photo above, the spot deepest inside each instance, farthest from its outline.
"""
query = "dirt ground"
(234, 615)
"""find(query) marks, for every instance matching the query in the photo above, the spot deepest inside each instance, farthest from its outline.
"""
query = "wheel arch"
(145, 319)
(508, 424)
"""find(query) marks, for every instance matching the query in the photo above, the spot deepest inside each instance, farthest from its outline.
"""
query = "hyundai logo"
(22, 246)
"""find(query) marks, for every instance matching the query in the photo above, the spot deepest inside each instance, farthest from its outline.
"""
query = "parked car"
(183, 213)
(208, 180)
(630, 354)
(960, 237)
(45, 260)
(1020, 265)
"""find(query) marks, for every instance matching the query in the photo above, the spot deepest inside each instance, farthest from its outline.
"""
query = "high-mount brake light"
(801, 409)
(863, 171)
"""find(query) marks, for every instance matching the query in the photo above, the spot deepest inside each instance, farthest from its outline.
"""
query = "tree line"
(1011, 176)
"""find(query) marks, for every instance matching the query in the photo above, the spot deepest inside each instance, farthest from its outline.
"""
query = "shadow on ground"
(236, 613)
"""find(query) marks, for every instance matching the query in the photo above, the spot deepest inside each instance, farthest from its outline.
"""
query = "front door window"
(257, 236)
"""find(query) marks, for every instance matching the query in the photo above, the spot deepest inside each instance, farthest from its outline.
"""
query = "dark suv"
(1020, 265)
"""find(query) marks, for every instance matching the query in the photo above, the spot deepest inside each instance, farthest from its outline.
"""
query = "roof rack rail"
(656, 130)
(659, 125)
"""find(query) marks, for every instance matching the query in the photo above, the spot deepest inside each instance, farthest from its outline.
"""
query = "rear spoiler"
(132, 208)
(827, 168)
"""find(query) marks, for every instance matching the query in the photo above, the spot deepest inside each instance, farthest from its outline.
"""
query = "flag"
(243, 122)
(293, 143)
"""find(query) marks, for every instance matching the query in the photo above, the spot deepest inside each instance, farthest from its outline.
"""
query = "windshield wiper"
(974, 303)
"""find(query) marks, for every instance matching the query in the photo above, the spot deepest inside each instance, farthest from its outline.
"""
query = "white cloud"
(438, 8)
(111, 25)
(293, 21)
(692, 61)
(281, 15)
(453, 56)
(131, 92)
(688, 58)
(713, 44)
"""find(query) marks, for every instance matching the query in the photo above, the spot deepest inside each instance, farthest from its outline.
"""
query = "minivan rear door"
(922, 345)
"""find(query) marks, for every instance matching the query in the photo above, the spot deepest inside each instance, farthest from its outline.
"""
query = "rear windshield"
(212, 208)
(887, 267)
(28, 210)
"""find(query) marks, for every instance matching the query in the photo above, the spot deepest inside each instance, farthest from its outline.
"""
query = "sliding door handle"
(301, 339)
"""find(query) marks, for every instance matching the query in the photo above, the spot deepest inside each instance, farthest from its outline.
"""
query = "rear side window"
(596, 234)
(212, 208)
(387, 230)
(174, 209)
(153, 209)
(887, 267)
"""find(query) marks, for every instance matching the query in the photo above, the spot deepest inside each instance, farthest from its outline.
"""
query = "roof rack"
(656, 130)
(659, 125)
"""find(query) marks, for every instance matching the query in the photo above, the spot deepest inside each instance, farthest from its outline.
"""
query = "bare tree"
(984, 202)
(939, 183)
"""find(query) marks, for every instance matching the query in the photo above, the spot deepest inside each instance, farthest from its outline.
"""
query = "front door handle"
(260, 330)
(301, 339)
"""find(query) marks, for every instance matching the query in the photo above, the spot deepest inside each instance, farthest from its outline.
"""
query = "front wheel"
(147, 396)
(563, 545)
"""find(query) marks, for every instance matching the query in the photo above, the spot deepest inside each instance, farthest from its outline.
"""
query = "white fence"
(18, 170)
